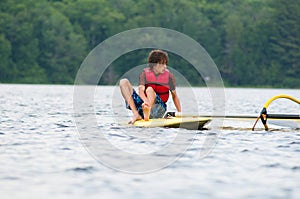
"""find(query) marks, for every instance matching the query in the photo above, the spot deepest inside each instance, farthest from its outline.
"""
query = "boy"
(153, 91)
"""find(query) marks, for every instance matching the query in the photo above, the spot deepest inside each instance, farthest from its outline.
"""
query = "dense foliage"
(253, 42)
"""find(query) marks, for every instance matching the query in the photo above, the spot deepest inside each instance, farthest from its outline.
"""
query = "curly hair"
(157, 56)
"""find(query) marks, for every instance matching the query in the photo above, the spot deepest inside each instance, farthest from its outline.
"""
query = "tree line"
(253, 42)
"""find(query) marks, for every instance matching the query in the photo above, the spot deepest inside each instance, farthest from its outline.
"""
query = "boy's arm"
(173, 93)
(176, 100)
(142, 88)
(142, 93)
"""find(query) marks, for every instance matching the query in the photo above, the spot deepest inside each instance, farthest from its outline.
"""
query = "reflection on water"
(46, 153)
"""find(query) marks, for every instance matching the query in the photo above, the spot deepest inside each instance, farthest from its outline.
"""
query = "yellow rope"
(280, 96)
(263, 115)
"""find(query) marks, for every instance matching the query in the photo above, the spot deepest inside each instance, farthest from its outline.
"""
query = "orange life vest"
(160, 83)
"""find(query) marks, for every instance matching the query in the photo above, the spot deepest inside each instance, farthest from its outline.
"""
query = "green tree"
(286, 42)
(61, 49)
(19, 31)
(246, 54)
(7, 68)
(95, 19)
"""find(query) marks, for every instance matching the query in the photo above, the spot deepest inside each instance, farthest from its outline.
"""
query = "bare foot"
(146, 110)
(135, 118)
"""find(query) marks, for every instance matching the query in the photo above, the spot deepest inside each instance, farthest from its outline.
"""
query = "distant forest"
(254, 43)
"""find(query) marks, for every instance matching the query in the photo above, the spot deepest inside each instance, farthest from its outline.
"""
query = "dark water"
(48, 150)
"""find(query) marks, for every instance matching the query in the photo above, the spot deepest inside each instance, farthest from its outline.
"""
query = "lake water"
(51, 149)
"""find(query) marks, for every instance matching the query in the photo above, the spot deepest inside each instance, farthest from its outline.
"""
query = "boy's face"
(160, 68)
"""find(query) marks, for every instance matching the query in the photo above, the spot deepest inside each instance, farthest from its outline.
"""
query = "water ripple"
(87, 169)
(44, 156)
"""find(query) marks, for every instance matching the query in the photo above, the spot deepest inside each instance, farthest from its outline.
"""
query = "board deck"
(175, 122)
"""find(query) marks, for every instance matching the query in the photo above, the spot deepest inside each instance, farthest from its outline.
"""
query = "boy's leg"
(151, 95)
(127, 90)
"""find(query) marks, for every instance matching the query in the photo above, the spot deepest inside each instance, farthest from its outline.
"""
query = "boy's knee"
(150, 90)
(124, 82)
(140, 86)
